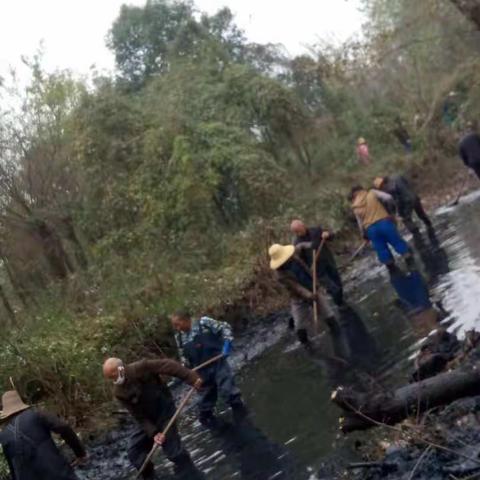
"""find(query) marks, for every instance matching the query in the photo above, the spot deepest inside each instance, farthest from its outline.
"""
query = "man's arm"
(58, 426)
(294, 287)
(180, 349)
(172, 368)
(387, 200)
(363, 234)
(216, 327)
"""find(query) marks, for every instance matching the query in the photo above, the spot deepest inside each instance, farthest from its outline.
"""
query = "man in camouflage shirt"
(198, 341)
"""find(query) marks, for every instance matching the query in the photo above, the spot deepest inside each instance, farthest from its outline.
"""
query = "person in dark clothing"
(141, 390)
(198, 341)
(327, 271)
(295, 275)
(26, 440)
(469, 149)
(406, 200)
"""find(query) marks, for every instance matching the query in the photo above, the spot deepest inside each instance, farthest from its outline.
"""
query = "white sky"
(73, 31)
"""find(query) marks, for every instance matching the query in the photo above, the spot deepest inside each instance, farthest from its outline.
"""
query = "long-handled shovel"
(316, 254)
(171, 422)
(355, 254)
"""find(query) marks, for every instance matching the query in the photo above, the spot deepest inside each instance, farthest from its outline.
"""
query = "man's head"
(379, 182)
(297, 227)
(114, 369)
(354, 192)
(181, 321)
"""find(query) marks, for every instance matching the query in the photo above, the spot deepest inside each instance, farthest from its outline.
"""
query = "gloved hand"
(227, 348)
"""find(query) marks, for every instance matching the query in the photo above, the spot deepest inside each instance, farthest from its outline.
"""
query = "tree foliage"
(125, 197)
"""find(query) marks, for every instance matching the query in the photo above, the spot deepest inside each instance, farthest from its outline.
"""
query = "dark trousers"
(407, 213)
(141, 444)
(330, 279)
(218, 380)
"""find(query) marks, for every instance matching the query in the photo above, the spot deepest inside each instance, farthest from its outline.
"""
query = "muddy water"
(293, 433)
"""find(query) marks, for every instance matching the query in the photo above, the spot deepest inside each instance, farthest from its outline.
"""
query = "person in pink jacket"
(363, 154)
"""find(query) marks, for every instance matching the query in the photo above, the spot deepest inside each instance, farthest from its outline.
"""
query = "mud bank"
(442, 444)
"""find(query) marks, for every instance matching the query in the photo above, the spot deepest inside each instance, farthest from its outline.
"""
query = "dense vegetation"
(124, 198)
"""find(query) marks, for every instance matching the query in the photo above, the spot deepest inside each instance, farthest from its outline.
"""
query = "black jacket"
(470, 149)
(146, 396)
(402, 192)
(314, 236)
(30, 450)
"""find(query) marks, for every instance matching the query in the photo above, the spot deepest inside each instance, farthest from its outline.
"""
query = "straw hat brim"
(287, 254)
(14, 409)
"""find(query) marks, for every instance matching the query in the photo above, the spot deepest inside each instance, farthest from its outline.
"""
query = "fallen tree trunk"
(362, 410)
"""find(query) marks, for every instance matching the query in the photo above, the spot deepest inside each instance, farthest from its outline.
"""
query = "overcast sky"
(73, 31)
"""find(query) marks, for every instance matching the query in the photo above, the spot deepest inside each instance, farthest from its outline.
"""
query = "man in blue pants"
(198, 341)
(371, 209)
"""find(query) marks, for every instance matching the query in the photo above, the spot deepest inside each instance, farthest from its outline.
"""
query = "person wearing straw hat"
(294, 274)
(26, 440)
(406, 201)
(139, 387)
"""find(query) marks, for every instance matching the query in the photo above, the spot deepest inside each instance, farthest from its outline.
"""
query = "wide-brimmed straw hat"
(361, 141)
(12, 404)
(378, 182)
(280, 254)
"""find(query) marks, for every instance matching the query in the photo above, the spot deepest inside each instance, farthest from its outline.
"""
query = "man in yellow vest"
(372, 210)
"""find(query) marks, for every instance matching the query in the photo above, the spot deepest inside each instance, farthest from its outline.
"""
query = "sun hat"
(280, 254)
(12, 404)
(361, 141)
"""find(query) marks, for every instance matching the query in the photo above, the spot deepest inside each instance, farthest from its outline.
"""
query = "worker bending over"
(140, 388)
(296, 276)
(406, 200)
(198, 341)
(371, 209)
(26, 441)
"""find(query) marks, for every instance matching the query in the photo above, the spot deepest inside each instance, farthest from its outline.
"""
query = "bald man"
(327, 272)
(139, 387)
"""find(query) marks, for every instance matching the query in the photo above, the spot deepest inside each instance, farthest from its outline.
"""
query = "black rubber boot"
(410, 261)
(392, 268)
(333, 325)
(149, 476)
(239, 412)
(184, 467)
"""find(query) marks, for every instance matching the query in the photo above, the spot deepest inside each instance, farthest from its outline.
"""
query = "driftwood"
(393, 407)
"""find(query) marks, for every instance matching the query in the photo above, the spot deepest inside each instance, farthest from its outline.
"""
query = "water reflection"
(255, 456)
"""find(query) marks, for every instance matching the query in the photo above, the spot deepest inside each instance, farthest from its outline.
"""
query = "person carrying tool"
(371, 209)
(407, 201)
(26, 441)
(139, 387)
(469, 148)
(199, 341)
(327, 271)
(295, 275)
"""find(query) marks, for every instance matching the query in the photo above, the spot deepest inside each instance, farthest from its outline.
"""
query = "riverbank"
(443, 443)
